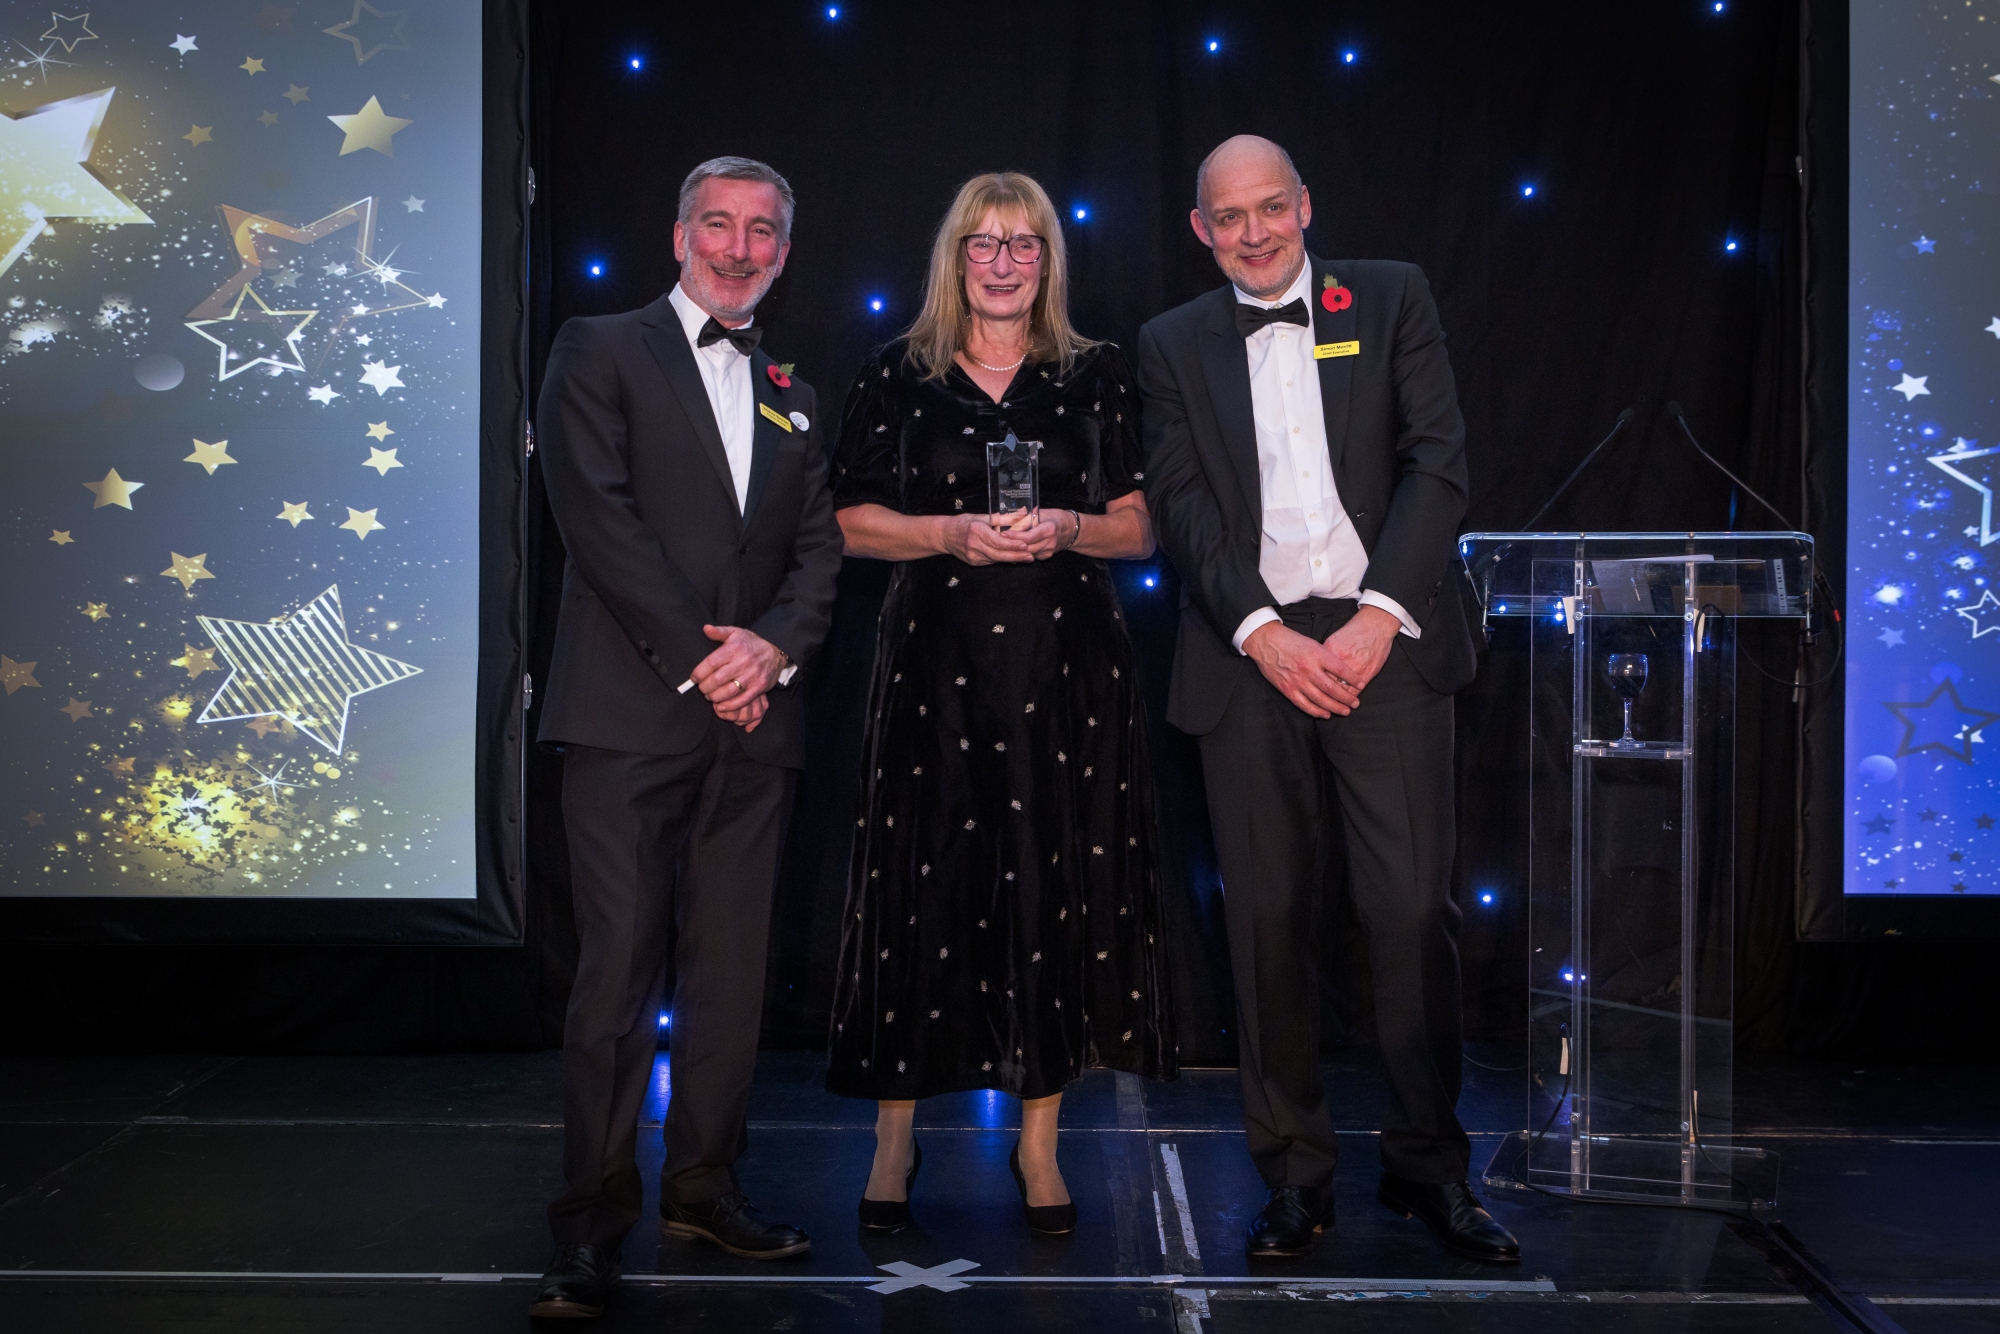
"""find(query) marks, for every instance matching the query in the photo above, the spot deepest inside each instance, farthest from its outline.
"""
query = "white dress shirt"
(1310, 548)
(725, 373)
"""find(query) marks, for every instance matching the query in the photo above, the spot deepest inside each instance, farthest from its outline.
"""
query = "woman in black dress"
(1003, 925)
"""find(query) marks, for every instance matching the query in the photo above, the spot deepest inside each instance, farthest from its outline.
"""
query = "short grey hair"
(738, 169)
(1201, 173)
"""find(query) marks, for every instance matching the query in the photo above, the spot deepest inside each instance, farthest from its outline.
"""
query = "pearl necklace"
(997, 370)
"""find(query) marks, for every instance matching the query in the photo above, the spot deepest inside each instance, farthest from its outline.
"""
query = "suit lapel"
(765, 435)
(668, 343)
(1226, 367)
(1336, 374)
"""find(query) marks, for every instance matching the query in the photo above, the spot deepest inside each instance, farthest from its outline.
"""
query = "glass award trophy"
(1013, 475)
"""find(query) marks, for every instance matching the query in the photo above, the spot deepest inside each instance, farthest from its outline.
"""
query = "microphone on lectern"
(1674, 411)
(1624, 420)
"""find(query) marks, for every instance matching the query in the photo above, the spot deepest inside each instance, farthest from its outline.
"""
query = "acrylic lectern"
(1631, 672)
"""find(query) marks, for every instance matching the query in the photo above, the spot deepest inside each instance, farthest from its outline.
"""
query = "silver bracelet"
(1076, 536)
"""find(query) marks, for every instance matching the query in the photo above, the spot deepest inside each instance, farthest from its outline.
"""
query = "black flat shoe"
(734, 1224)
(1051, 1220)
(578, 1284)
(1454, 1215)
(888, 1215)
(1283, 1229)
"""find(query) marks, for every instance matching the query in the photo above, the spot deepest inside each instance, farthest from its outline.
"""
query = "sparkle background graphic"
(1923, 654)
(239, 336)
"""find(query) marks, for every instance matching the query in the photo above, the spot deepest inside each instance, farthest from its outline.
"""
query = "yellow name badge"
(777, 418)
(1321, 351)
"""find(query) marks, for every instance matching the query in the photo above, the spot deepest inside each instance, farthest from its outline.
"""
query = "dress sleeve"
(867, 463)
(1122, 459)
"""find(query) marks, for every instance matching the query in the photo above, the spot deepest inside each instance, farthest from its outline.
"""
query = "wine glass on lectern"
(1627, 674)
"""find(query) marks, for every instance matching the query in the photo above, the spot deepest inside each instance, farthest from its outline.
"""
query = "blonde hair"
(939, 331)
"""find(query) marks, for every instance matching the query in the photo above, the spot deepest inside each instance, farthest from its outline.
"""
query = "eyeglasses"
(981, 248)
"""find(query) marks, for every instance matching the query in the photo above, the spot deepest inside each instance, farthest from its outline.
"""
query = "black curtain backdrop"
(1651, 135)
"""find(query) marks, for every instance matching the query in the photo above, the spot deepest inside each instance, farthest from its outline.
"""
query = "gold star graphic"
(381, 460)
(196, 660)
(187, 569)
(293, 514)
(361, 523)
(113, 490)
(77, 709)
(96, 611)
(269, 118)
(251, 65)
(43, 176)
(33, 819)
(379, 431)
(121, 767)
(210, 456)
(61, 537)
(369, 127)
(198, 135)
(376, 41)
(296, 95)
(14, 675)
(275, 345)
(70, 38)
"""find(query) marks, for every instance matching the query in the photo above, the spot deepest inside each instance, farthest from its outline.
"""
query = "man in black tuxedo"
(686, 473)
(1306, 473)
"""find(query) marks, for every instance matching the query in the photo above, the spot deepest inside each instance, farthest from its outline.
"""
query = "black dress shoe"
(1284, 1227)
(1454, 1215)
(578, 1283)
(1051, 1220)
(888, 1215)
(734, 1224)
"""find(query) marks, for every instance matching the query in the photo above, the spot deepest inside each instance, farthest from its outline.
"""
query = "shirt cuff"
(1261, 617)
(1370, 598)
(785, 676)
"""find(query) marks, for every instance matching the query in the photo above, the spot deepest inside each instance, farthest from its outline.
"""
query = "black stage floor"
(406, 1194)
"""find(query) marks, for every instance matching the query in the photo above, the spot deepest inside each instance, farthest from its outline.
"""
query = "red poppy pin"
(781, 376)
(1336, 298)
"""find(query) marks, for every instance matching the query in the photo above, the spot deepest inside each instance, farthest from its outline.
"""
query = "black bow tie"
(1249, 319)
(745, 340)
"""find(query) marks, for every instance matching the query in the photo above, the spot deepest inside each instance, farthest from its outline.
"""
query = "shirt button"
(1288, 384)
(1318, 563)
(1295, 430)
(1313, 515)
(1305, 474)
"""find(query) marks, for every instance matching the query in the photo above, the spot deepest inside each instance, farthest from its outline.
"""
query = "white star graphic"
(1911, 386)
(435, 300)
(414, 204)
(326, 393)
(1890, 638)
(336, 270)
(364, 339)
(183, 44)
(1970, 614)
(1961, 453)
(1994, 328)
(381, 377)
(388, 275)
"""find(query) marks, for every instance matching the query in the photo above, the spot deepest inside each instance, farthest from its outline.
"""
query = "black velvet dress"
(1003, 925)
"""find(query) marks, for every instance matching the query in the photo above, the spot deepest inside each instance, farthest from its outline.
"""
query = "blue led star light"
(1082, 213)
(1213, 45)
(637, 62)
(833, 11)
(1730, 245)
(596, 268)
(1486, 897)
(1347, 57)
(875, 304)
(1527, 192)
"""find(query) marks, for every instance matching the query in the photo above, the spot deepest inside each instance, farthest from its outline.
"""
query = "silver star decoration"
(325, 393)
(1994, 328)
(1962, 452)
(300, 668)
(381, 377)
(1891, 638)
(414, 204)
(183, 44)
(1971, 614)
(1911, 386)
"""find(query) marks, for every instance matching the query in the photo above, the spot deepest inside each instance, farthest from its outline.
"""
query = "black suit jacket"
(641, 489)
(1397, 443)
